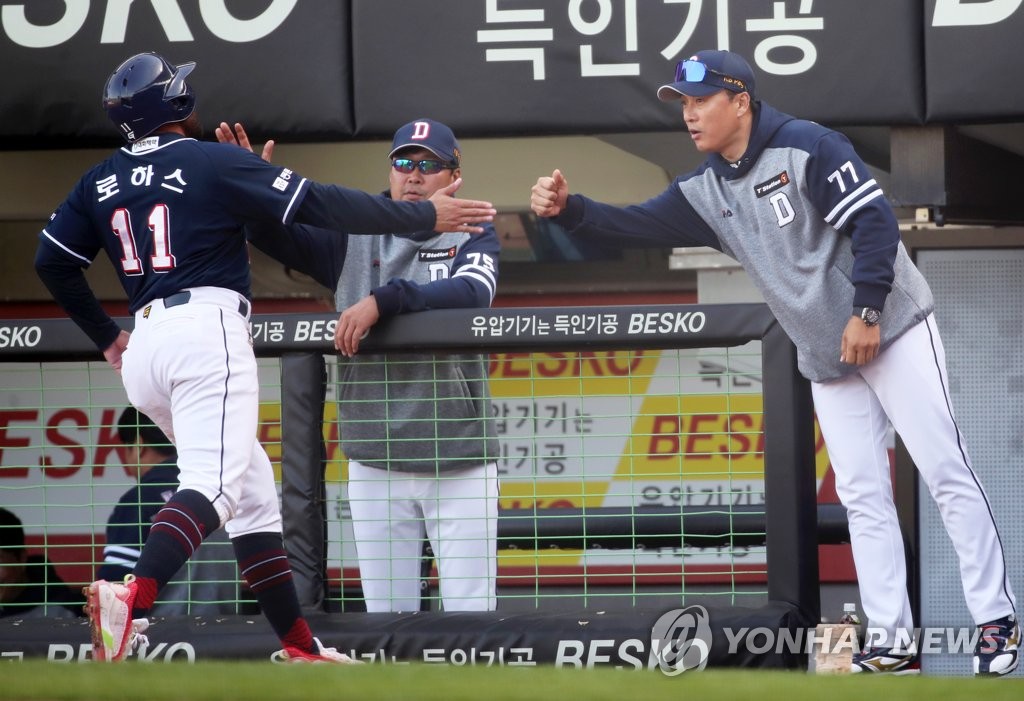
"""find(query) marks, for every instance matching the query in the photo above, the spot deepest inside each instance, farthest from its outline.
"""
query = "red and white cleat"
(325, 655)
(109, 606)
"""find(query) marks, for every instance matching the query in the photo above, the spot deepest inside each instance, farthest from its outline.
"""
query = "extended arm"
(318, 253)
(666, 220)
(358, 212)
(344, 209)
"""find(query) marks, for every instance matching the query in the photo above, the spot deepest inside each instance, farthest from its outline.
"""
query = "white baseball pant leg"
(907, 385)
(460, 510)
(192, 370)
(388, 529)
(391, 514)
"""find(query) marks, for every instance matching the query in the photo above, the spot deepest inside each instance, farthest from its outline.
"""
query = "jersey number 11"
(159, 225)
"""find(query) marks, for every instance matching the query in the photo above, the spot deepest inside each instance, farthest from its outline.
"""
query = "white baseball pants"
(391, 514)
(906, 384)
(191, 369)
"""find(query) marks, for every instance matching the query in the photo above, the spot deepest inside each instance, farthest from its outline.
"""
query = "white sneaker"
(886, 660)
(998, 647)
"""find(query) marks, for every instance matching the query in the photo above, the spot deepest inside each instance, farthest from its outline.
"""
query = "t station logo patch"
(772, 184)
(429, 254)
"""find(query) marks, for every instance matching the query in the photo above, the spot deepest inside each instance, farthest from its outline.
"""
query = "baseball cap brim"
(672, 91)
(417, 145)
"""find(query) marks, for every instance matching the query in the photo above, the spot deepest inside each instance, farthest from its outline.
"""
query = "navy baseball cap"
(431, 135)
(707, 72)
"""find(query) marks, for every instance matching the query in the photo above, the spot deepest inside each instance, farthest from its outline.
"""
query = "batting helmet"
(146, 92)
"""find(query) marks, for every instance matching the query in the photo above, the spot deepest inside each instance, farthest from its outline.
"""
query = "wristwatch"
(869, 315)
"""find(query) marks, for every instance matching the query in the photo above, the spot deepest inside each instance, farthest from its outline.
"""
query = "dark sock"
(178, 529)
(264, 566)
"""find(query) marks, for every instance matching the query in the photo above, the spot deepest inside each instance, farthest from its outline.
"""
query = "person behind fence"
(205, 585)
(168, 210)
(798, 208)
(29, 584)
(416, 428)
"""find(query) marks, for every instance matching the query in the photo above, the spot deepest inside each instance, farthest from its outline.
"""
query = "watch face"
(870, 316)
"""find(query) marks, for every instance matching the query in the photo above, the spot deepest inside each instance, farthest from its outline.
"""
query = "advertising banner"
(305, 71)
(970, 63)
(506, 67)
(279, 66)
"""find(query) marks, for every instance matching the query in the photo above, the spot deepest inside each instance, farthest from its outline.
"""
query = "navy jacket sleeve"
(357, 212)
(318, 253)
(666, 220)
(127, 529)
(851, 201)
(65, 279)
(472, 283)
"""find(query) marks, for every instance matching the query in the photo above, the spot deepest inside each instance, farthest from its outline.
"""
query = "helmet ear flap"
(182, 105)
(146, 92)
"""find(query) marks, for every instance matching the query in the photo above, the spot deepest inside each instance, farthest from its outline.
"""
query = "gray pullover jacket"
(803, 215)
(412, 412)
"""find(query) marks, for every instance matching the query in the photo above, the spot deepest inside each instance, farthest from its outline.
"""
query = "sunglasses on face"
(427, 166)
(696, 72)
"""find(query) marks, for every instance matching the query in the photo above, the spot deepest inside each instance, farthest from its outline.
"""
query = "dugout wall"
(787, 521)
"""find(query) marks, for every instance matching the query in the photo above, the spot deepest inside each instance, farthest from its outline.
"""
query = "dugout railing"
(787, 524)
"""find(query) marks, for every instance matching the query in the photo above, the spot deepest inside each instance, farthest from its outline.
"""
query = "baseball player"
(415, 427)
(168, 210)
(796, 206)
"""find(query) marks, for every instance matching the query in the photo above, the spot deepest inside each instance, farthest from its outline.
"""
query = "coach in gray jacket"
(793, 203)
(416, 428)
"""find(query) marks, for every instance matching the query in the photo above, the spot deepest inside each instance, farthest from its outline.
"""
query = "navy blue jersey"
(169, 212)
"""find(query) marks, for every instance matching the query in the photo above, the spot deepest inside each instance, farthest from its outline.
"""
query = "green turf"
(224, 681)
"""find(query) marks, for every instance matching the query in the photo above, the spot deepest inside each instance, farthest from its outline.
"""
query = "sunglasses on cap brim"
(427, 166)
(696, 72)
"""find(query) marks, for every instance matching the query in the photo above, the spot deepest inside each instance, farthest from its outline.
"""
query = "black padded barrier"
(735, 636)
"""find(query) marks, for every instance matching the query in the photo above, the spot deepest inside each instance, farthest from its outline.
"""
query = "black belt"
(183, 297)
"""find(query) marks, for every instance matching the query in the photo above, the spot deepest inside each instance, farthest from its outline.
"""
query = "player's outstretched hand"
(548, 196)
(238, 137)
(115, 350)
(460, 215)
